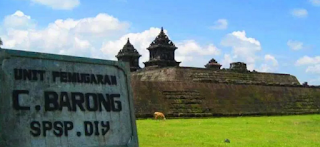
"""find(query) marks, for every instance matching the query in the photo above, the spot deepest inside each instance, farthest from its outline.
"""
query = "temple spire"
(162, 40)
(129, 54)
(161, 52)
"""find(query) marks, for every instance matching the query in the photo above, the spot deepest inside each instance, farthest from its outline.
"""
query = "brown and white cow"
(159, 115)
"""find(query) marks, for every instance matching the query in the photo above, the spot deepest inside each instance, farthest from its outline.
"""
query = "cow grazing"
(158, 115)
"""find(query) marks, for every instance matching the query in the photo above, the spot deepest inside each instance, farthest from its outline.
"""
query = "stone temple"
(163, 85)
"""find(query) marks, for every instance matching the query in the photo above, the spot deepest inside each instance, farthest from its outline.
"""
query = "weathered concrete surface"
(24, 118)
(165, 90)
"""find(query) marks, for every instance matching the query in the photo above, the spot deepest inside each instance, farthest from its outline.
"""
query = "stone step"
(179, 105)
(187, 111)
(186, 101)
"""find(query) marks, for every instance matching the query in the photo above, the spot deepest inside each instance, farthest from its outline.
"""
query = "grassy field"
(278, 131)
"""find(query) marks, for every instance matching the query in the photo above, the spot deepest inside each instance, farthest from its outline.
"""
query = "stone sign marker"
(51, 100)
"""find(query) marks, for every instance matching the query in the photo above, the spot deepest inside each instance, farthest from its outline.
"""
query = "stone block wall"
(220, 99)
(183, 91)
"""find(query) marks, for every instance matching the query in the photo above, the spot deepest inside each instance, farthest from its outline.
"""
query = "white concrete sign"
(61, 101)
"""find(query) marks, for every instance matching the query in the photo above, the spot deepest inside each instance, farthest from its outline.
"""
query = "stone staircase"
(184, 103)
(302, 104)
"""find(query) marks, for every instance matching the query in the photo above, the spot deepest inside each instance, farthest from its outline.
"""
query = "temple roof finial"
(162, 39)
(128, 48)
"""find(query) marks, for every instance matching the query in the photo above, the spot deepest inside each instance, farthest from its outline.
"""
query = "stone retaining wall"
(193, 99)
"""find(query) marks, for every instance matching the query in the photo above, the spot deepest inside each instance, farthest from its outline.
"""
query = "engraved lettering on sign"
(92, 128)
(81, 101)
(65, 77)
(72, 101)
(59, 128)
(15, 99)
(28, 74)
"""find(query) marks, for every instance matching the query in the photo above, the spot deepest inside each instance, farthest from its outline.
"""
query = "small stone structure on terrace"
(213, 64)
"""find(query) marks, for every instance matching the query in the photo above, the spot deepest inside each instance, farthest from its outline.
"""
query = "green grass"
(276, 131)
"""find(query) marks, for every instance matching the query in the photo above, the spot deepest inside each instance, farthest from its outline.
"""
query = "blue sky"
(269, 35)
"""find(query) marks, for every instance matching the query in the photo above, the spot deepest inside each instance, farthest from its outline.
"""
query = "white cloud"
(220, 24)
(227, 59)
(80, 37)
(313, 69)
(306, 60)
(101, 36)
(18, 20)
(59, 4)
(295, 45)
(97, 25)
(243, 47)
(186, 60)
(272, 59)
(315, 2)
(100, 26)
(312, 65)
(314, 81)
(270, 64)
(299, 13)
(191, 53)
(265, 68)
(191, 47)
